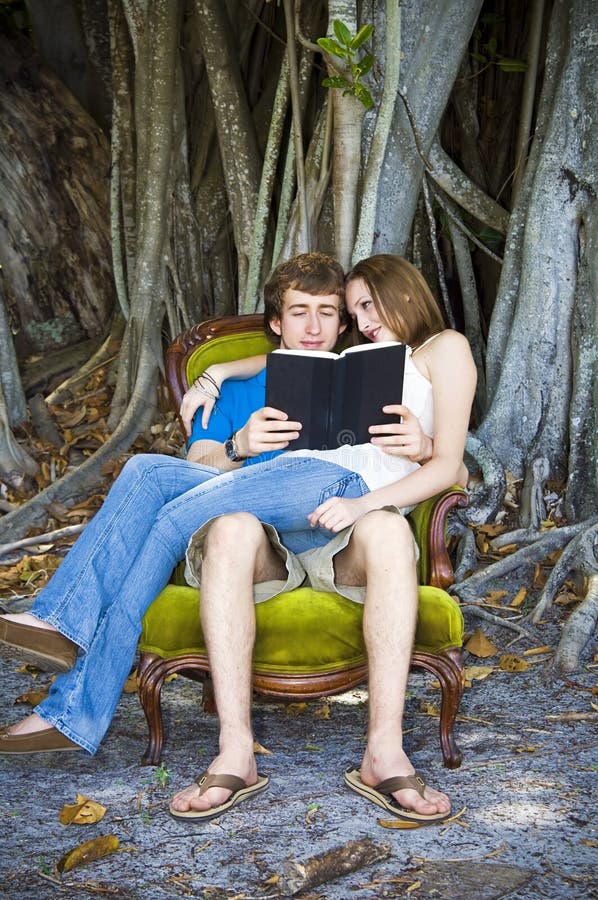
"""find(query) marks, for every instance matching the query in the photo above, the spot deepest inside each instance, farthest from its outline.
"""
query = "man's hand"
(266, 429)
(404, 439)
(338, 512)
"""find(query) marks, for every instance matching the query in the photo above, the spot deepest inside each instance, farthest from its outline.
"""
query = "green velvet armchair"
(309, 644)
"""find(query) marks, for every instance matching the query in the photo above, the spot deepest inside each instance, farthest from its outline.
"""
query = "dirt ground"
(529, 828)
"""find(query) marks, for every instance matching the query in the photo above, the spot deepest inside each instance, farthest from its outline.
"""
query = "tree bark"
(57, 281)
(438, 31)
(530, 365)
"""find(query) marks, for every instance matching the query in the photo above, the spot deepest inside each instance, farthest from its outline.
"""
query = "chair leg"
(448, 668)
(208, 701)
(151, 672)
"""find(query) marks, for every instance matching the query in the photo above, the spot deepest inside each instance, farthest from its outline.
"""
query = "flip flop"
(240, 792)
(381, 794)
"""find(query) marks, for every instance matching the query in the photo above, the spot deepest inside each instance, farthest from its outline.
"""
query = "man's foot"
(34, 735)
(42, 643)
(412, 799)
(217, 790)
(193, 798)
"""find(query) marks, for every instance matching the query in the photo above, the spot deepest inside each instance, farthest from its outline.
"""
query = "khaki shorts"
(314, 568)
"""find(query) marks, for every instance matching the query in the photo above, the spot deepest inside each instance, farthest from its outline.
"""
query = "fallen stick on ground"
(302, 875)
(48, 538)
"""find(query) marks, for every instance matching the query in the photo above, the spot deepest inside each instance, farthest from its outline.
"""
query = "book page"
(325, 354)
(370, 346)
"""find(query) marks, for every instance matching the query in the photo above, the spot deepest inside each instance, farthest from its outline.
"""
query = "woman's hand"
(338, 512)
(405, 438)
(198, 396)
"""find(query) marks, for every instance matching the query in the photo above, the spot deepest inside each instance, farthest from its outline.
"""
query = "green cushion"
(225, 349)
(301, 631)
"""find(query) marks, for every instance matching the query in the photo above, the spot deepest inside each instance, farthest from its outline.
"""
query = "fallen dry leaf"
(534, 651)
(478, 673)
(130, 685)
(404, 824)
(508, 662)
(518, 598)
(34, 697)
(295, 709)
(28, 669)
(323, 711)
(258, 748)
(540, 576)
(506, 550)
(530, 748)
(493, 599)
(492, 529)
(479, 645)
(88, 852)
(83, 812)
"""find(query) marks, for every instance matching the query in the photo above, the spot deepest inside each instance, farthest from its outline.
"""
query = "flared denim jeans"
(126, 555)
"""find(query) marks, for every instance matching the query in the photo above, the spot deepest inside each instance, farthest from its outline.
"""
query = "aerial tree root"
(466, 554)
(580, 556)
(476, 612)
(487, 499)
(578, 631)
(472, 588)
(77, 484)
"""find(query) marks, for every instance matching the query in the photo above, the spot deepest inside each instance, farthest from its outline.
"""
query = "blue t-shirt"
(238, 399)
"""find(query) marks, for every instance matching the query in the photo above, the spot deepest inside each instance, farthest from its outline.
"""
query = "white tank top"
(376, 467)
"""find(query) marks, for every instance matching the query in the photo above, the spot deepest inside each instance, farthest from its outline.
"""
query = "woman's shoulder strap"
(428, 341)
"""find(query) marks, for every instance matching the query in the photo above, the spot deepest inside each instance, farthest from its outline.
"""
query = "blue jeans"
(126, 555)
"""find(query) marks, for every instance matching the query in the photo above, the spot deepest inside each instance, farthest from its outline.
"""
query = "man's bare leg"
(381, 555)
(237, 553)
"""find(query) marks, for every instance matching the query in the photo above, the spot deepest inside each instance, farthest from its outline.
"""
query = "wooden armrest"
(429, 521)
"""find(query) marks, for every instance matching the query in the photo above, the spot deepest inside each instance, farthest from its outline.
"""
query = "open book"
(336, 397)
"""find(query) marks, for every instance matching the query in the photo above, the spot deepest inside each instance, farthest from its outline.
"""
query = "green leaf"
(343, 35)
(479, 58)
(363, 95)
(330, 46)
(337, 81)
(491, 46)
(363, 35)
(365, 65)
(490, 236)
(512, 65)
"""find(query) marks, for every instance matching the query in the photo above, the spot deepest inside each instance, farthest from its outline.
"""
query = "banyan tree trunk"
(54, 228)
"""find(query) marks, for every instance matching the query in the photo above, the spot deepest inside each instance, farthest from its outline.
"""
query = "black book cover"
(336, 398)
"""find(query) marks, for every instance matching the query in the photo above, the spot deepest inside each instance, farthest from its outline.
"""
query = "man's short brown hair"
(314, 273)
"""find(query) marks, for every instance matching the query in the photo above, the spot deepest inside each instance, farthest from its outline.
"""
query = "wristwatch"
(230, 448)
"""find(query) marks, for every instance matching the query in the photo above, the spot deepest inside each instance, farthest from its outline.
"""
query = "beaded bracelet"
(209, 392)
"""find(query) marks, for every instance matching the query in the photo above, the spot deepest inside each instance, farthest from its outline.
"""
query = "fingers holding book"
(266, 429)
(405, 438)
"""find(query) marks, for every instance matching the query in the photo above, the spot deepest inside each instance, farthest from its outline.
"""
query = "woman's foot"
(44, 645)
(33, 735)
